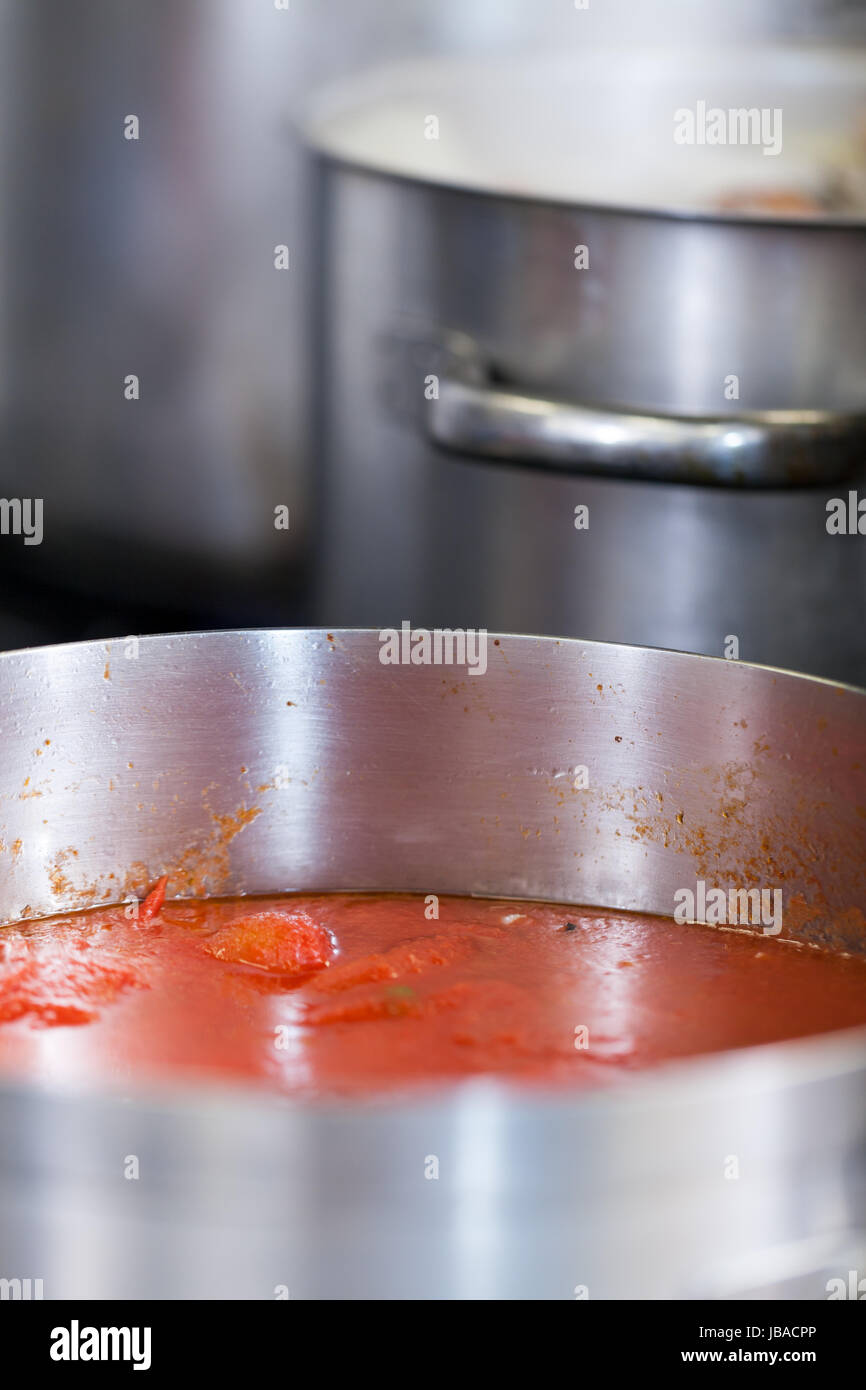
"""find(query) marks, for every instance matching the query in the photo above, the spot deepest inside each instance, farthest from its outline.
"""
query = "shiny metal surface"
(410, 530)
(256, 761)
(668, 308)
(758, 450)
(540, 159)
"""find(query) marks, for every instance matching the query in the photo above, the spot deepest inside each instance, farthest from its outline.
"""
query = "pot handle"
(779, 448)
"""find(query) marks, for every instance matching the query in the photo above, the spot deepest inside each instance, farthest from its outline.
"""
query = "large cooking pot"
(120, 763)
(532, 303)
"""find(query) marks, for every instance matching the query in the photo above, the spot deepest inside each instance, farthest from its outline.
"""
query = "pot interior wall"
(598, 127)
(252, 762)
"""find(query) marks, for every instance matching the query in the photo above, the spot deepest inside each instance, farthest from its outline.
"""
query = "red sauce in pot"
(351, 993)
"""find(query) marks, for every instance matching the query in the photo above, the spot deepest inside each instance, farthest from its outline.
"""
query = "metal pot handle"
(779, 448)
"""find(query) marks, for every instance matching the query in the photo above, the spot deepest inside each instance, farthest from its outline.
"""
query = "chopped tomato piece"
(395, 1001)
(366, 971)
(410, 958)
(154, 901)
(289, 943)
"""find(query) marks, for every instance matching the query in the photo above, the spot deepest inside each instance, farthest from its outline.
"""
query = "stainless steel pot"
(119, 764)
(708, 371)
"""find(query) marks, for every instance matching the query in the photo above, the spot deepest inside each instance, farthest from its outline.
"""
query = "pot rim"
(341, 98)
(745, 222)
(326, 633)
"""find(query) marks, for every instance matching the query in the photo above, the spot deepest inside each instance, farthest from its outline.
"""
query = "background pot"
(707, 514)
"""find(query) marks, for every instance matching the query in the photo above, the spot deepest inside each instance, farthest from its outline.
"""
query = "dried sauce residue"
(202, 869)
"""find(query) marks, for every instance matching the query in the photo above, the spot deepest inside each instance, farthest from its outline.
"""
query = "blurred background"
(155, 257)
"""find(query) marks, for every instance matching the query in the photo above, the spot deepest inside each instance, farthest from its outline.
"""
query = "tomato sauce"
(355, 993)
